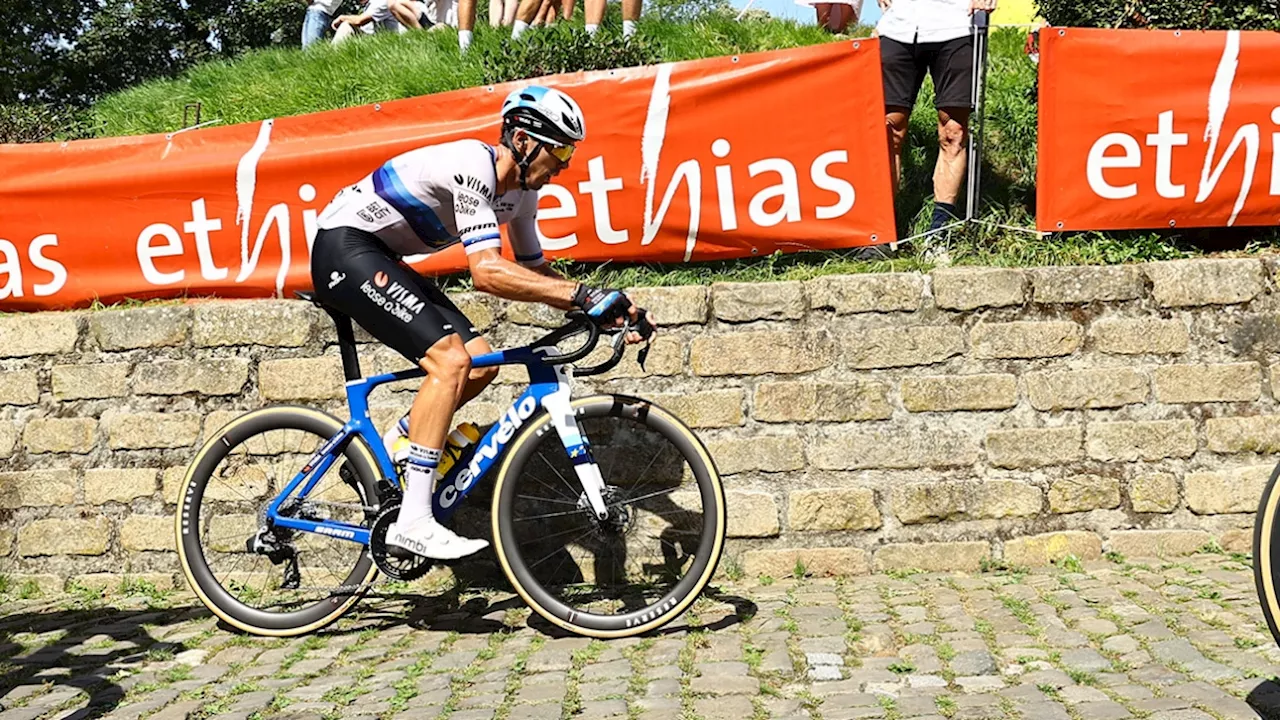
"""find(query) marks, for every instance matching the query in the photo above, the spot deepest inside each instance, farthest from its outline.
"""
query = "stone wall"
(861, 423)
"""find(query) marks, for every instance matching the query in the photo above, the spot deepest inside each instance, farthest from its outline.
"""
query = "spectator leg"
(949, 173)
(896, 120)
(313, 26)
(509, 8)
(630, 14)
(495, 12)
(566, 9)
(405, 13)
(525, 15)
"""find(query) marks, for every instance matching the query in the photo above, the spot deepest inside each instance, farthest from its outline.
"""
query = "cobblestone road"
(1182, 641)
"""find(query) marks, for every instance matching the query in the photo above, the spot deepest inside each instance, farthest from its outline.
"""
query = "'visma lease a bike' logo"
(507, 427)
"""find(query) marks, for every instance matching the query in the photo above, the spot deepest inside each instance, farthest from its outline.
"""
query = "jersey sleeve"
(524, 232)
(473, 186)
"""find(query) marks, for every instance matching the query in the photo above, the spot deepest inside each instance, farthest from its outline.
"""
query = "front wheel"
(1266, 553)
(643, 565)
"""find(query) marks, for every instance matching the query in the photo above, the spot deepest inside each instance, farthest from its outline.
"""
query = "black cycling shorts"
(950, 63)
(354, 272)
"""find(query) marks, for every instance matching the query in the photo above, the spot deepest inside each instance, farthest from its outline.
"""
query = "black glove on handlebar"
(602, 305)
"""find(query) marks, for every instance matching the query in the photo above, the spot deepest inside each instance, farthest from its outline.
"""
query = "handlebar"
(579, 321)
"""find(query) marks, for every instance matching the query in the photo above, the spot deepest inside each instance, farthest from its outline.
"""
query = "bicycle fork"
(558, 405)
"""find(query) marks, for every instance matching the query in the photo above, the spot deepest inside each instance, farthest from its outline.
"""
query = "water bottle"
(396, 441)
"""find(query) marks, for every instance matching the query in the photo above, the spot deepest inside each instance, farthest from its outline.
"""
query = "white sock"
(628, 28)
(592, 28)
(420, 476)
(518, 28)
(464, 39)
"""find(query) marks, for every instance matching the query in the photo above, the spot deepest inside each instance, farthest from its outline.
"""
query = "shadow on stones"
(66, 664)
(1265, 700)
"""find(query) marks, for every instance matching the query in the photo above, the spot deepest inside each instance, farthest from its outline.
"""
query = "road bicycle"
(607, 512)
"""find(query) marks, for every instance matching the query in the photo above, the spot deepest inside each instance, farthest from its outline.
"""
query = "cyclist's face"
(551, 161)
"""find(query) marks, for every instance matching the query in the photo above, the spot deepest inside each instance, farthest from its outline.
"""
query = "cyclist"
(424, 201)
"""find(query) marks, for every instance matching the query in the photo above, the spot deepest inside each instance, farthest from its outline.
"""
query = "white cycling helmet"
(544, 113)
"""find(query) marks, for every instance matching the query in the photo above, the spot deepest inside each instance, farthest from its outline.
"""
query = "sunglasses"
(561, 152)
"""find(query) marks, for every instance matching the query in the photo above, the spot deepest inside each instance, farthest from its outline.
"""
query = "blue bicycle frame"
(548, 387)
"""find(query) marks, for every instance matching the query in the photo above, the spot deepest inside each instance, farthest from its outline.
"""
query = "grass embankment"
(285, 82)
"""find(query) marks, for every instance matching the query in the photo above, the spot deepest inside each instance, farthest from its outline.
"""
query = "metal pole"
(981, 22)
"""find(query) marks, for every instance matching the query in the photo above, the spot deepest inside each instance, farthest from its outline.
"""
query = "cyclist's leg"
(479, 378)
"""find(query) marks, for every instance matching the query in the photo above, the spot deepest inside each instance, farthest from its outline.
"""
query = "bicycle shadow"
(1265, 699)
(28, 666)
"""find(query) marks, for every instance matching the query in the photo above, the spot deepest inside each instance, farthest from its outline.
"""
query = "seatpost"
(347, 346)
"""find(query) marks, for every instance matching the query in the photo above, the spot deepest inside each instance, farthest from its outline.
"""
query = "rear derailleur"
(276, 543)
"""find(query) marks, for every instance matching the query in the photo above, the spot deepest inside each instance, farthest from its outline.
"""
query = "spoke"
(555, 535)
(548, 500)
(550, 515)
(550, 487)
(557, 472)
(652, 460)
(668, 491)
(564, 547)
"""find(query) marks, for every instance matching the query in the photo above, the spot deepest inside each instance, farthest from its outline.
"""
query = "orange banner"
(721, 158)
(1158, 129)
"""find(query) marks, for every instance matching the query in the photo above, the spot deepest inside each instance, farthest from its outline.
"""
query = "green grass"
(282, 82)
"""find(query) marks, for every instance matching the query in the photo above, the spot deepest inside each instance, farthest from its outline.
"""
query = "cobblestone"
(1040, 644)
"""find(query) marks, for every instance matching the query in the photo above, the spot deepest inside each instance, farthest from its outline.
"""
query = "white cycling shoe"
(428, 538)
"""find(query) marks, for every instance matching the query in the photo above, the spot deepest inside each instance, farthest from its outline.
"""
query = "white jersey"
(425, 200)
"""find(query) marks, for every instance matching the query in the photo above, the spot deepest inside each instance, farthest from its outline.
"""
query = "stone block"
(946, 393)
(1258, 433)
(1080, 493)
(1086, 284)
(869, 292)
(37, 488)
(1073, 389)
(1191, 283)
(1226, 491)
(1140, 336)
(1034, 447)
(666, 357)
(171, 483)
(744, 302)
(751, 514)
(6, 542)
(275, 323)
(478, 308)
(318, 378)
(677, 305)
(109, 485)
(85, 382)
(534, 314)
(903, 346)
(833, 509)
(148, 532)
(1038, 550)
(932, 556)
(19, 387)
(1154, 492)
(965, 500)
(1235, 382)
(1148, 440)
(760, 352)
(821, 401)
(1240, 541)
(138, 431)
(8, 438)
(1157, 543)
(897, 447)
(60, 435)
(820, 562)
(707, 409)
(222, 376)
(147, 327)
(44, 584)
(64, 537)
(767, 453)
(970, 288)
(1025, 339)
(48, 333)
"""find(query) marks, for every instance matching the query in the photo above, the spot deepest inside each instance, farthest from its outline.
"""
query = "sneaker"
(428, 538)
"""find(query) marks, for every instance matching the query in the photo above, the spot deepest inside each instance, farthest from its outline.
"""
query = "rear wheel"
(1266, 553)
(306, 580)
(641, 567)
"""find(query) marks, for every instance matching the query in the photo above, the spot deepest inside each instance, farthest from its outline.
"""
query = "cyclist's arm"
(522, 231)
(496, 275)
